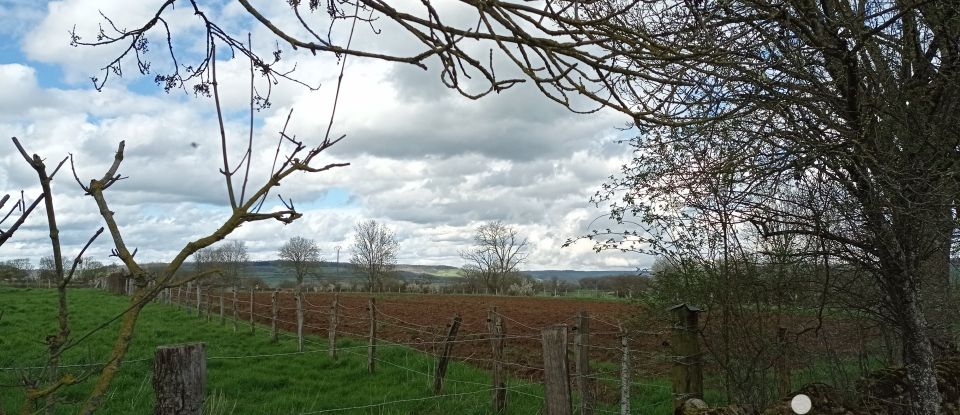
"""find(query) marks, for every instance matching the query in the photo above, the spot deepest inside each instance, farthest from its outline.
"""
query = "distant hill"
(273, 273)
(445, 271)
(571, 275)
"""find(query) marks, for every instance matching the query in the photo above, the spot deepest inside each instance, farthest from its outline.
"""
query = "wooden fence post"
(236, 313)
(784, 385)
(372, 346)
(299, 298)
(497, 333)
(581, 357)
(624, 373)
(555, 374)
(223, 319)
(274, 310)
(688, 365)
(199, 310)
(445, 355)
(334, 321)
(179, 375)
(210, 305)
(253, 328)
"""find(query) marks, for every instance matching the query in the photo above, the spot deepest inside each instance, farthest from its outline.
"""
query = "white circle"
(801, 404)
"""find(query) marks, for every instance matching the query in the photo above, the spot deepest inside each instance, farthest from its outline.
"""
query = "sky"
(425, 161)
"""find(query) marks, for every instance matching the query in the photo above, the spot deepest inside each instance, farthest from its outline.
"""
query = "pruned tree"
(495, 257)
(246, 196)
(300, 255)
(43, 387)
(374, 254)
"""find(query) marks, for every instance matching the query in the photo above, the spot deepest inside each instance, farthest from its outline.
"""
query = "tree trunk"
(935, 299)
(918, 356)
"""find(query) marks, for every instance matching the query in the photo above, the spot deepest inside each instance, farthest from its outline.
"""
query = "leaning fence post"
(688, 366)
(624, 373)
(445, 355)
(372, 346)
(299, 298)
(496, 329)
(273, 316)
(555, 375)
(581, 357)
(179, 374)
(332, 331)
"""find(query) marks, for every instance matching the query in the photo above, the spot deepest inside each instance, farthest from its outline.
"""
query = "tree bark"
(555, 374)
(918, 359)
(179, 375)
(935, 300)
(120, 347)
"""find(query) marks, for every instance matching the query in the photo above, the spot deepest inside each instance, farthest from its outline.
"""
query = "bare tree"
(301, 255)
(228, 260)
(47, 270)
(205, 262)
(15, 270)
(246, 200)
(374, 252)
(234, 259)
(46, 384)
(204, 259)
(496, 255)
(92, 270)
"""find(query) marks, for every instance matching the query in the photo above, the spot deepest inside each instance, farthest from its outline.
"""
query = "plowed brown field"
(422, 320)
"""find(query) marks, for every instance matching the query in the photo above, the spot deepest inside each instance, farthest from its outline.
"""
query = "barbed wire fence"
(603, 373)
(619, 351)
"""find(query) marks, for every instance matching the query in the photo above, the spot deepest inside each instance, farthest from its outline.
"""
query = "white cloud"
(427, 162)
(49, 40)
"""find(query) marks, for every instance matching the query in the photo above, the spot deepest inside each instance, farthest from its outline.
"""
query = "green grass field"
(247, 374)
